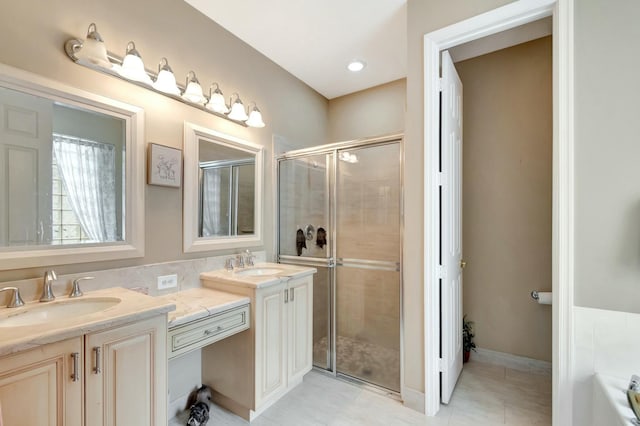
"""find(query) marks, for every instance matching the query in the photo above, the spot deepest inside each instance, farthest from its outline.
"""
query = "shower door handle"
(286, 296)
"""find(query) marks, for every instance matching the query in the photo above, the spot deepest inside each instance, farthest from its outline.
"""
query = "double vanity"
(101, 359)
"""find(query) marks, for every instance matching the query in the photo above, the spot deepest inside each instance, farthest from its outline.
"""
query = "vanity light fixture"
(356, 66)
(93, 49)
(166, 81)
(193, 93)
(237, 110)
(255, 117)
(132, 66)
(92, 53)
(216, 100)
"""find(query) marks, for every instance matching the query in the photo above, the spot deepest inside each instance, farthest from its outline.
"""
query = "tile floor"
(486, 395)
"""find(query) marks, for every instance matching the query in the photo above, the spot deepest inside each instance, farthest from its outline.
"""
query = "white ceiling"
(315, 40)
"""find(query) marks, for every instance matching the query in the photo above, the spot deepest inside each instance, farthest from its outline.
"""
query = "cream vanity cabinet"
(121, 370)
(125, 375)
(37, 388)
(280, 345)
(283, 336)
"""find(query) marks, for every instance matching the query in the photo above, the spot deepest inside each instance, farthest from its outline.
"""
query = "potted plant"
(467, 338)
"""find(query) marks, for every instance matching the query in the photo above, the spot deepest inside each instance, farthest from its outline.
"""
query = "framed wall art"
(164, 166)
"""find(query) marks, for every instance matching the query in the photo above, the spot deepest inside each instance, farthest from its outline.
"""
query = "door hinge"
(440, 178)
(440, 84)
(440, 271)
(441, 365)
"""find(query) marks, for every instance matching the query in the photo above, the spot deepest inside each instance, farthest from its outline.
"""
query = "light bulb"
(237, 110)
(93, 49)
(132, 66)
(216, 100)
(166, 81)
(255, 118)
(193, 92)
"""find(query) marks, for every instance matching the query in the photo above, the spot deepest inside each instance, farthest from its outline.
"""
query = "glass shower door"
(305, 236)
(368, 248)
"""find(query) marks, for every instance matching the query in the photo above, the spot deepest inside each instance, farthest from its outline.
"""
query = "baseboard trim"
(413, 399)
(515, 362)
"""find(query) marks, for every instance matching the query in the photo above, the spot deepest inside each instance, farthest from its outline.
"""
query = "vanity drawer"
(203, 332)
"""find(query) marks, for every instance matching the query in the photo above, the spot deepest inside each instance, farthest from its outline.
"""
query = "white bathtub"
(610, 404)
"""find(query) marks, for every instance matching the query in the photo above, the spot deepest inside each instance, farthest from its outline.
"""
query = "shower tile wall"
(303, 201)
(369, 229)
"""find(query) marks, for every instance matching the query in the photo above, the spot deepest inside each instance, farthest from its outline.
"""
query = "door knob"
(463, 264)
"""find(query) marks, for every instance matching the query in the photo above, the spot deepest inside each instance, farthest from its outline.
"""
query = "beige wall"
(507, 163)
(423, 16)
(376, 111)
(33, 35)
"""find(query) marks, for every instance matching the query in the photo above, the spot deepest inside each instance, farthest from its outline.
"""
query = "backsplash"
(144, 277)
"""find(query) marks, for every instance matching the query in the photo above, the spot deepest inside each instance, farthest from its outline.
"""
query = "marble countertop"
(133, 306)
(258, 281)
(197, 303)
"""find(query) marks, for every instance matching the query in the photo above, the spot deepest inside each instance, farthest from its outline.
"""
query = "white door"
(25, 169)
(451, 237)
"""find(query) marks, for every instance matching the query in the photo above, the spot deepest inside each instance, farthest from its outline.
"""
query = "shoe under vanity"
(247, 333)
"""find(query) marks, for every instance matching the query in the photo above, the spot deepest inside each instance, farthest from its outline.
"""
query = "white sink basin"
(258, 272)
(47, 312)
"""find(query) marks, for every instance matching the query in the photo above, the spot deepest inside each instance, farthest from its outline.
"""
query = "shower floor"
(363, 360)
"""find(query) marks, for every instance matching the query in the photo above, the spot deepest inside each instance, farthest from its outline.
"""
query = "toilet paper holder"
(542, 297)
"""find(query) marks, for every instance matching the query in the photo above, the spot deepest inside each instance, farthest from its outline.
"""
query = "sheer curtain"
(88, 173)
(212, 195)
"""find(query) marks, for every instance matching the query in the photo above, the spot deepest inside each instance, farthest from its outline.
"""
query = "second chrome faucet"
(47, 293)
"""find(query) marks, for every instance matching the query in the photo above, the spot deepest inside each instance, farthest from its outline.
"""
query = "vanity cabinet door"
(270, 341)
(37, 387)
(299, 324)
(126, 375)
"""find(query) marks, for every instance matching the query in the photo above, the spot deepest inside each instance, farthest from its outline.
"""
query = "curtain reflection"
(88, 173)
(215, 201)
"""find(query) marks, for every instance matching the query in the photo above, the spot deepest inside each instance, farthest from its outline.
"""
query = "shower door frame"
(330, 261)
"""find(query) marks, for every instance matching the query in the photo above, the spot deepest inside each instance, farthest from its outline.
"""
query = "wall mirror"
(222, 191)
(71, 187)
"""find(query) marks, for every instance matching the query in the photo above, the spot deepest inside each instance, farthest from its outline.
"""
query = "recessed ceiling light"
(356, 66)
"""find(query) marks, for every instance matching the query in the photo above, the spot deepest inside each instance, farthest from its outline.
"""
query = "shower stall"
(339, 210)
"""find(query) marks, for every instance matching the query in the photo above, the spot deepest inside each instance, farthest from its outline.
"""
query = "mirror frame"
(133, 245)
(191, 191)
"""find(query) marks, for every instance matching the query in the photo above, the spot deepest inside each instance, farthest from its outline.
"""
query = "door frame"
(509, 16)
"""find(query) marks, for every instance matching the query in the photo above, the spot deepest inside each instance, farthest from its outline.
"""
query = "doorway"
(509, 16)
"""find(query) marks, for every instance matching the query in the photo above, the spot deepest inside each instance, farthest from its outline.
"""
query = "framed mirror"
(71, 181)
(222, 191)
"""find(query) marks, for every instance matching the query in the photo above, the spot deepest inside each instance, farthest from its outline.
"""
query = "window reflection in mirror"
(62, 180)
(226, 193)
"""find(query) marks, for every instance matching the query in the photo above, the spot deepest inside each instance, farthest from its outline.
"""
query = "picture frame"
(164, 166)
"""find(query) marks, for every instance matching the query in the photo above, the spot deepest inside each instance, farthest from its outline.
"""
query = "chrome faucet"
(239, 261)
(75, 290)
(228, 264)
(15, 300)
(47, 294)
(250, 258)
